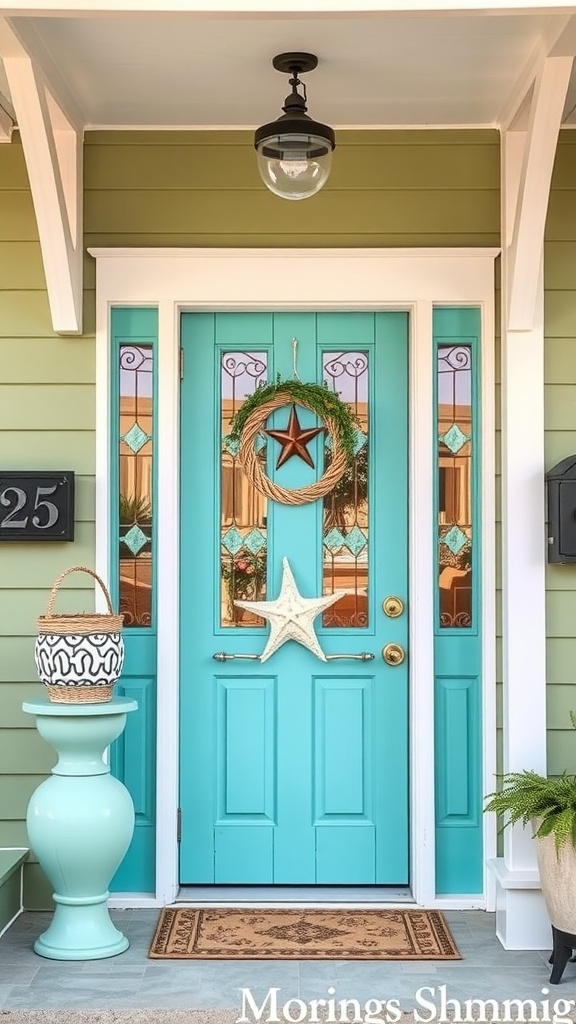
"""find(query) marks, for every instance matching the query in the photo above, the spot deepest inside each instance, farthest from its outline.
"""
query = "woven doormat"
(219, 933)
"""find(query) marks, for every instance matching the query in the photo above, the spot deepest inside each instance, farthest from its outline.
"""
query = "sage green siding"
(560, 441)
(560, 419)
(437, 188)
(46, 421)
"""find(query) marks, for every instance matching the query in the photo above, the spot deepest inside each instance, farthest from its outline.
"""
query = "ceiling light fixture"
(294, 152)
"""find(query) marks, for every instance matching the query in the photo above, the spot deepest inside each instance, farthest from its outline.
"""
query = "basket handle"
(77, 568)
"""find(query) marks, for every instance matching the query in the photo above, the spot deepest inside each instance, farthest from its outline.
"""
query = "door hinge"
(181, 364)
(179, 825)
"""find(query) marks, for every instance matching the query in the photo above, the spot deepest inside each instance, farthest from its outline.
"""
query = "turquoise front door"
(293, 770)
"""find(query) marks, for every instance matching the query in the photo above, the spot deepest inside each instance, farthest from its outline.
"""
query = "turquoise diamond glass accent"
(355, 540)
(231, 444)
(232, 540)
(454, 438)
(135, 539)
(455, 539)
(334, 540)
(136, 438)
(254, 541)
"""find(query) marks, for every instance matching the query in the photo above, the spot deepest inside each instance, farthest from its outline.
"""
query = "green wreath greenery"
(318, 397)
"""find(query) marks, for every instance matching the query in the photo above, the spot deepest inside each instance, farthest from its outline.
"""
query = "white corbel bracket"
(532, 190)
(53, 153)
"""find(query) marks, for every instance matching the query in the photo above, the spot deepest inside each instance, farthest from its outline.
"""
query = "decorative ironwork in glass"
(455, 485)
(243, 534)
(136, 426)
(346, 537)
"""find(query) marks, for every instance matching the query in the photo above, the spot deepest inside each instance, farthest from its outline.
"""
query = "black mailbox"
(561, 486)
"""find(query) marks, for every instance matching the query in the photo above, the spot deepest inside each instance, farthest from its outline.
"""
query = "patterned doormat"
(219, 933)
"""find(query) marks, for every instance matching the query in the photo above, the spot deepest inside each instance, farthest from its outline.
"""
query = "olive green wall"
(395, 188)
(560, 418)
(432, 188)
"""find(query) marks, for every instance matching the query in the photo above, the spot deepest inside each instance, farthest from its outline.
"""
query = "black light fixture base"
(299, 62)
(294, 152)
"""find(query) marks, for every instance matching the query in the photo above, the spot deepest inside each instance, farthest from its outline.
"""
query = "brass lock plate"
(392, 607)
(393, 654)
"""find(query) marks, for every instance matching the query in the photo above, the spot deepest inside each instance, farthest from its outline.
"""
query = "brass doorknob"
(392, 607)
(393, 654)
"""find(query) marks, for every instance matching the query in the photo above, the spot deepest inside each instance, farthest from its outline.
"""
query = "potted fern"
(549, 806)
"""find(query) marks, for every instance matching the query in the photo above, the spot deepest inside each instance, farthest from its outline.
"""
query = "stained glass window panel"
(345, 521)
(136, 454)
(243, 534)
(455, 485)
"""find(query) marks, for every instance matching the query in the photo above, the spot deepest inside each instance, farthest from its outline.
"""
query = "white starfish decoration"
(291, 615)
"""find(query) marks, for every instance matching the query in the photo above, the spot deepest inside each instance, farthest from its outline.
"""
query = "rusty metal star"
(294, 440)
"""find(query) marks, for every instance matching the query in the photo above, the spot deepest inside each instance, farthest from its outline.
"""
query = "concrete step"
(11, 868)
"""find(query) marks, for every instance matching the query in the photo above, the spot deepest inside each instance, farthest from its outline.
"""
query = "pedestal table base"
(80, 824)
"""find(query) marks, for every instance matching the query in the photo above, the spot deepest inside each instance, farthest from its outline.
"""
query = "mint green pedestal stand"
(80, 823)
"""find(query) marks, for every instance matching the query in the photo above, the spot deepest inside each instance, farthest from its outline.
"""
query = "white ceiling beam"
(513, 106)
(558, 39)
(528, 197)
(53, 153)
(565, 45)
(25, 35)
(34, 8)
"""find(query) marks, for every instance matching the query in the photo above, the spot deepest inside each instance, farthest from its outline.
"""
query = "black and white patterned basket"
(79, 656)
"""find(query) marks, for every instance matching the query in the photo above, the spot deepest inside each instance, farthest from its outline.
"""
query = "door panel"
(295, 771)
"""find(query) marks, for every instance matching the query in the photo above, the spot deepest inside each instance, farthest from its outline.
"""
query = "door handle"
(223, 656)
(363, 656)
(393, 654)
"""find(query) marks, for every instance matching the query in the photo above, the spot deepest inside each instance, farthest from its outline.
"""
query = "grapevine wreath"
(338, 419)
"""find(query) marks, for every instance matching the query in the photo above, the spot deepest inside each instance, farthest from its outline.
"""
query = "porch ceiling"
(198, 69)
(96, 64)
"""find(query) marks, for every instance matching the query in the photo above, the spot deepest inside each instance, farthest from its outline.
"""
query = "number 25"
(11, 523)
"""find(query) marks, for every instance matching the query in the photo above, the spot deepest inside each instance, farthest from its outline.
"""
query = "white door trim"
(315, 279)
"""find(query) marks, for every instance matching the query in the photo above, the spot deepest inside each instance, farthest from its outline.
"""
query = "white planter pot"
(92, 659)
(557, 869)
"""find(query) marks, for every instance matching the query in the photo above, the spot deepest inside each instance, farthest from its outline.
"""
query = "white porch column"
(527, 161)
(521, 918)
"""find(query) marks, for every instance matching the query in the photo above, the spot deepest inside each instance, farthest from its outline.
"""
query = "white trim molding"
(337, 279)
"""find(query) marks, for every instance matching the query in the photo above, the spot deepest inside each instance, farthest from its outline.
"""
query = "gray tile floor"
(132, 981)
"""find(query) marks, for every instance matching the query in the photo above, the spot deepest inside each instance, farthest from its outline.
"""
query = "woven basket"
(79, 656)
(80, 622)
(80, 694)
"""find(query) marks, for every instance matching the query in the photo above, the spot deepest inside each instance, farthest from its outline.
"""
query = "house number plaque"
(36, 506)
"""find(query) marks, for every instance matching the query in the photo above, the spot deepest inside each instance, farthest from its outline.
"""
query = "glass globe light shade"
(294, 166)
